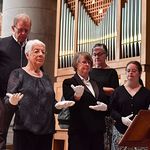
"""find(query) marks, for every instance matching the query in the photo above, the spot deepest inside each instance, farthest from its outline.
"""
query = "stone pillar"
(43, 15)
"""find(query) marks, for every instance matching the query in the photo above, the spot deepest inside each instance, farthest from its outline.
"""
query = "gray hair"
(32, 43)
(21, 16)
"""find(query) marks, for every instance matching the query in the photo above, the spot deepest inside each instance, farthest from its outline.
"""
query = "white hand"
(79, 89)
(126, 120)
(14, 98)
(64, 104)
(99, 107)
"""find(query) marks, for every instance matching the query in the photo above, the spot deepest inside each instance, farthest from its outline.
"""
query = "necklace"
(35, 73)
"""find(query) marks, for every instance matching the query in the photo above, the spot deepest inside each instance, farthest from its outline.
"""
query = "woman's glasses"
(98, 54)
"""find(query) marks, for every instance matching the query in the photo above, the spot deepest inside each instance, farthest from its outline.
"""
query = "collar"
(84, 79)
(23, 44)
(106, 67)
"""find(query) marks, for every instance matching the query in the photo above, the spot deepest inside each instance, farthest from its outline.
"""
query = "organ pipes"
(131, 29)
(90, 33)
(66, 36)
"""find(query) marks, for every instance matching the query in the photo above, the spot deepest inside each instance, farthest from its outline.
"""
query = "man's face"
(21, 30)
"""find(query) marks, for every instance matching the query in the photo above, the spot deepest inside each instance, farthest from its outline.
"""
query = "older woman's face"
(132, 73)
(99, 56)
(37, 55)
(83, 67)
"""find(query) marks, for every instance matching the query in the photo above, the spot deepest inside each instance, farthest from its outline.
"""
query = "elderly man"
(12, 57)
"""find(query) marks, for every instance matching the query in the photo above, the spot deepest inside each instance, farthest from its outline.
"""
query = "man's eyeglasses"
(21, 30)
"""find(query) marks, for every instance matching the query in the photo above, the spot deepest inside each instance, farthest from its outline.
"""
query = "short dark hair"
(103, 46)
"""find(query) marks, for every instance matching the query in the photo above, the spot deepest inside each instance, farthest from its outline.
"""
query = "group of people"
(100, 109)
(103, 110)
(26, 90)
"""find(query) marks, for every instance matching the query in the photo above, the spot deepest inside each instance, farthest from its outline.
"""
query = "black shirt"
(35, 112)
(106, 77)
(123, 104)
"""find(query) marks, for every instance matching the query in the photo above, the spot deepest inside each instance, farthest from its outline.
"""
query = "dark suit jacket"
(11, 57)
(82, 118)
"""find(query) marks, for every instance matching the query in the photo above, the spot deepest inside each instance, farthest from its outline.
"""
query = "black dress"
(38, 102)
(35, 112)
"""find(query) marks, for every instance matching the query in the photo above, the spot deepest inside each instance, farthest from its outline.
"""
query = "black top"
(35, 112)
(123, 104)
(82, 118)
(11, 57)
(107, 77)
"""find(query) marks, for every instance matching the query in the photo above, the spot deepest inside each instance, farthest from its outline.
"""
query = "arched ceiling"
(95, 8)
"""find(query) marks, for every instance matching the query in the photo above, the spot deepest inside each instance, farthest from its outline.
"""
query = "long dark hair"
(139, 67)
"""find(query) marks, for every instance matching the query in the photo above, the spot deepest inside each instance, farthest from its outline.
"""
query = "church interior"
(71, 26)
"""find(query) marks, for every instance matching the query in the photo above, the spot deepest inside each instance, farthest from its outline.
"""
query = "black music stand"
(138, 134)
